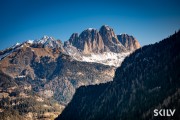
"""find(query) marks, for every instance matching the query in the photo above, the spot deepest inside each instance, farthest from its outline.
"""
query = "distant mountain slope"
(49, 75)
(18, 101)
(148, 79)
(38, 79)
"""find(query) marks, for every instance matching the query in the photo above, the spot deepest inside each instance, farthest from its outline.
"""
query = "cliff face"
(89, 41)
(104, 40)
(148, 79)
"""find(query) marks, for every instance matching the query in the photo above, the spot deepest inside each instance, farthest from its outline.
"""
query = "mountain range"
(38, 78)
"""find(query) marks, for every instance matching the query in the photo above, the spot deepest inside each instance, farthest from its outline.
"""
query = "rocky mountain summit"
(101, 46)
(104, 40)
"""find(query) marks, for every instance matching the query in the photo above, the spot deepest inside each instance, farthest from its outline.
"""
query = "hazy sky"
(147, 20)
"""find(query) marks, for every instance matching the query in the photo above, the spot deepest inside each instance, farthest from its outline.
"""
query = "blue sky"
(147, 20)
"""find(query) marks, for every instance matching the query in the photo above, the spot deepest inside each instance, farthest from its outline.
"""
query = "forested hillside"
(148, 79)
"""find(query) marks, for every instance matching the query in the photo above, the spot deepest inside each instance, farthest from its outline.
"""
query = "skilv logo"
(164, 112)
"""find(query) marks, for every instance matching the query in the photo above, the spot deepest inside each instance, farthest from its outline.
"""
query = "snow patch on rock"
(107, 58)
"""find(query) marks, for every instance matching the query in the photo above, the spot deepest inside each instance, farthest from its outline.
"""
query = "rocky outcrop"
(104, 40)
(129, 42)
(92, 41)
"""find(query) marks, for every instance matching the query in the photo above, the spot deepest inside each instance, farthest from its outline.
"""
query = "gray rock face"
(104, 40)
(129, 42)
(92, 41)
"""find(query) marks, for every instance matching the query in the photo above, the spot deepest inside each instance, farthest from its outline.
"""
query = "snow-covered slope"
(8, 51)
(45, 41)
(107, 58)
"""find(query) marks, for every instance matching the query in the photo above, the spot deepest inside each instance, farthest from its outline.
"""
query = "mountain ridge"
(89, 43)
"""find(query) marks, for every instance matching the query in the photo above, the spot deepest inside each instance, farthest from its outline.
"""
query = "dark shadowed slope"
(148, 79)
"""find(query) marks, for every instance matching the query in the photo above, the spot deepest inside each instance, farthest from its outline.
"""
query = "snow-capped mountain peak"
(30, 41)
(44, 39)
(15, 45)
(91, 29)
